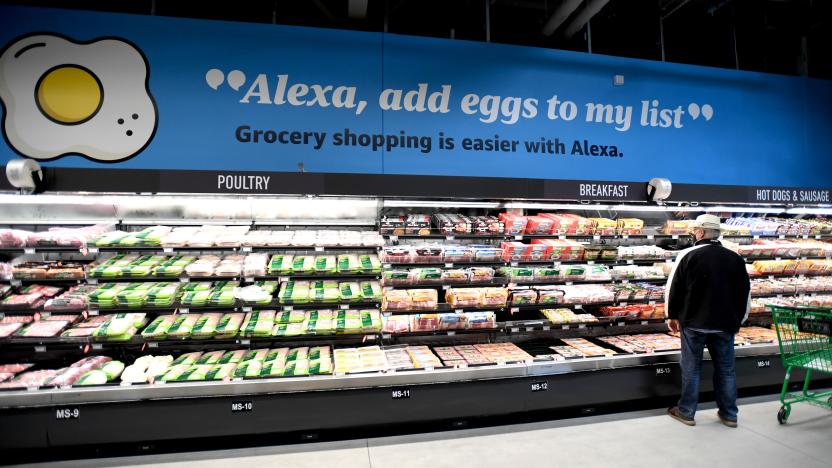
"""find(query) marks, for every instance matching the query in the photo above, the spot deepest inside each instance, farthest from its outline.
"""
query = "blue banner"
(92, 90)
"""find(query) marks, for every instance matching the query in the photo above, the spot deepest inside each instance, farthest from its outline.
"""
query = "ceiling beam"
(357, 8)
(566, 8)
(590, 9)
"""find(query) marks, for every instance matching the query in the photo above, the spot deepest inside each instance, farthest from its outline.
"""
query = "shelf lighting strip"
(141, 200)
(810, 211)
(439, 204)
(746, 209)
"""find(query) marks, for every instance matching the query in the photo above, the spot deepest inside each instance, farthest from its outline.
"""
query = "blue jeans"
(721, 347)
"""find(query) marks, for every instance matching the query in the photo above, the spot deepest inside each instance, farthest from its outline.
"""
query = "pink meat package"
(43, 328)
(37, 378)
(74, 372)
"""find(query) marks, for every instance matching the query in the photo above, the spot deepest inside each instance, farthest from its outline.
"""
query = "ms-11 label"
(242, 406)
(67, 413)
(400, 393)
(763, 363)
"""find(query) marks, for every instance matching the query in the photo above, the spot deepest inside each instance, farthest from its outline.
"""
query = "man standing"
(708, 296)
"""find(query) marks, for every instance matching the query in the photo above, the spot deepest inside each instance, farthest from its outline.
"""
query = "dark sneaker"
(732, 423)
(676, 414)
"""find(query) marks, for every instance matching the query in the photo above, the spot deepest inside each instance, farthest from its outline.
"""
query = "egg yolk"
(69, 94)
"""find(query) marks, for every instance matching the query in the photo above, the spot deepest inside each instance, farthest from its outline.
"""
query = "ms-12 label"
(540, 386)
(242, 406)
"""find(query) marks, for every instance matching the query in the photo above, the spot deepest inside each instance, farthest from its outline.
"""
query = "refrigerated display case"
(143, 318)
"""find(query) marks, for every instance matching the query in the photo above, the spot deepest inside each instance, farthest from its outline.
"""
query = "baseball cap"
(706, 221)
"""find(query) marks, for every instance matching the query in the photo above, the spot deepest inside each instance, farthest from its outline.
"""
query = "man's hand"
(674, 325)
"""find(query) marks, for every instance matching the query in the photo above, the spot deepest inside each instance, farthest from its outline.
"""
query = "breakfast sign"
(228, 107)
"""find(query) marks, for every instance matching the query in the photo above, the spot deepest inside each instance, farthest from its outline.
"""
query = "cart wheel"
(782, 415)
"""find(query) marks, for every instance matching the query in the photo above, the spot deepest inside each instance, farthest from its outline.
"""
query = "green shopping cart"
(805, 338)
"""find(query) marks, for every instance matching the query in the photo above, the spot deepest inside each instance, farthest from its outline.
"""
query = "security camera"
(658, 189)
(26, 175)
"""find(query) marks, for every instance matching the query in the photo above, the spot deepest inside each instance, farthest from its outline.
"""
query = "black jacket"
(708, 288)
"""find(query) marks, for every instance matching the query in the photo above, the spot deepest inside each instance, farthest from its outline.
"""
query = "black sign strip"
(393, 185)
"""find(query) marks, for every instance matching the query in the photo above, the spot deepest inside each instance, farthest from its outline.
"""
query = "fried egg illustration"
(62, 97)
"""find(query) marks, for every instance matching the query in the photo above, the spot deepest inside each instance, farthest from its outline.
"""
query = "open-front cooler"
(129, 319)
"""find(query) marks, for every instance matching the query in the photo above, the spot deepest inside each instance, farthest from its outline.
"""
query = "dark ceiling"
(789, 37)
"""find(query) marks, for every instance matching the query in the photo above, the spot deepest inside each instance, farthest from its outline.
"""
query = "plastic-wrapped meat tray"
(31, 379)
(43, 329)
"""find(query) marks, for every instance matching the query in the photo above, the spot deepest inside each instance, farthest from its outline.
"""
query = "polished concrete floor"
(641, 439)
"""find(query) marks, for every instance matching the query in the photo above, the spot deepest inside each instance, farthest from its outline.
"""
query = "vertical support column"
(661, 33)
(487, 20)
(589, 36)
(803, 65)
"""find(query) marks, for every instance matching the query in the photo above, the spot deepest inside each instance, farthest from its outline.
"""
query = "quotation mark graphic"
(215, 77)
(706, 110)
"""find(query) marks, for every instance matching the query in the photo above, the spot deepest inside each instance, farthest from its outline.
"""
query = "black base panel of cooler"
(189, 422)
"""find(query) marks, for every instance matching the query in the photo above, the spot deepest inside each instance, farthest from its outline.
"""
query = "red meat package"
(514, 225)
(520, 252)
(562, 249)
(43, 329)
(31, 379)
(7, 329)
(540, 225)
(13, 238)
(14, 368)
(569, 224)
(74, 372)
(22, 301)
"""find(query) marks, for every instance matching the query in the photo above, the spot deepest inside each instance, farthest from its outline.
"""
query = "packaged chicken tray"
(43, 329)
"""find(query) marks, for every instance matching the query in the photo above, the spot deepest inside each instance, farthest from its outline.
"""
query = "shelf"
(312, 248)
(194, 279)
(284, 386)
(47, 281)
(88, 344)
(496, 282)
(145, 249)
(647, 235)
(237, 306)
(521, 237)
(503, 263)
(545, 325)
(387, 266)
(502, 281)
(446, 308)
(570, 283)
(315, 276)
(799, 293)
(314, 305)
(441, 333)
